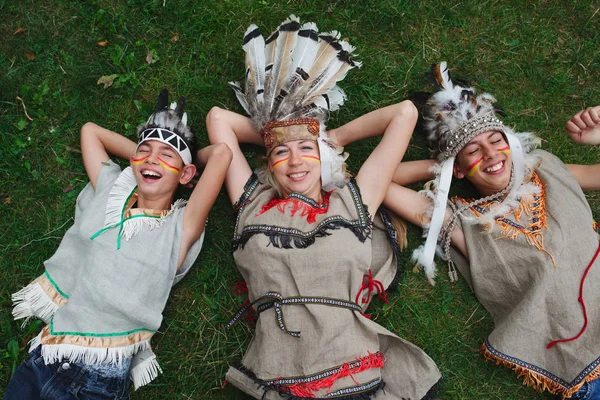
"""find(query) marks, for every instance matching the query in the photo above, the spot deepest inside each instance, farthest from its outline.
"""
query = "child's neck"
(154, 204)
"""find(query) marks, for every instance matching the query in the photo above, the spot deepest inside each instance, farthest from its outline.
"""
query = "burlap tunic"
(531, 301)
(279, 252)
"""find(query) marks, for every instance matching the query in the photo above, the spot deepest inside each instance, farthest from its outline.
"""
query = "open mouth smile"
(297, 176)
(150, 176)
(496, 168)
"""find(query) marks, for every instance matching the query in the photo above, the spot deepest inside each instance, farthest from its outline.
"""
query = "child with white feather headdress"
(527, 246)
(104, 290)
(309, 241)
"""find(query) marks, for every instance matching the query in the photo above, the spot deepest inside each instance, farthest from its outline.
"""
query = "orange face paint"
(140, 160)
(280, 162)
(505, 150)
(168, 167)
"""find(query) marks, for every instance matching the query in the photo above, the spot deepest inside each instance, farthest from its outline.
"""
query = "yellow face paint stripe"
(313, 158)
(137, 161)
(471, 169)
(277, 163)
(168, 167)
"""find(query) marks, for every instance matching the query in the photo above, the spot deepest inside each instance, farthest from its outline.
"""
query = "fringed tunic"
(307, 267)
(104, 290)
(527, 273)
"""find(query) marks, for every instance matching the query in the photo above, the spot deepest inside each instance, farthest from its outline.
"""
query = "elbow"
(223, 152)
(214, 118)
(408, 110)
(87, 130)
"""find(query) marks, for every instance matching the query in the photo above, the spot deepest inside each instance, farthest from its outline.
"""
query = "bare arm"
(409, 172)
(397, 123)
(96, 145)
(227, 127)
(216, 159)
(588, 176)
(413, 207)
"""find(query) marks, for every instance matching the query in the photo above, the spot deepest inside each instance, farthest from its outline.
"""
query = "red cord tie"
(371, 285)
(580, 299)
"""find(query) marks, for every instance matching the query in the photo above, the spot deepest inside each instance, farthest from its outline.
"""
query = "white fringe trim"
(54, 353)
(119, 193)
(32, 301)
(145, 372)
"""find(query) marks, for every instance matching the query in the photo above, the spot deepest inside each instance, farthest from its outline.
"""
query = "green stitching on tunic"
(63, 294)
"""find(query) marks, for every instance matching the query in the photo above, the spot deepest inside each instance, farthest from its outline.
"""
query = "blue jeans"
(589, 391)
(33, 379)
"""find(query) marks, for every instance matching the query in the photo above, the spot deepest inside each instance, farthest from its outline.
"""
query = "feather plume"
(254, 46)
(285, 43)
(303, 57)
(239, 93)
(442, 75)
(300, 68)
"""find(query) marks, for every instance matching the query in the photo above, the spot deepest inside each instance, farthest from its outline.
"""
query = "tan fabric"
(531, 302)
(332, 266)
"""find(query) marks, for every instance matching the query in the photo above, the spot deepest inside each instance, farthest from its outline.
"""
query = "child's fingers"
(571, 128)
(578, 121)
(595, 114)
(586, 117)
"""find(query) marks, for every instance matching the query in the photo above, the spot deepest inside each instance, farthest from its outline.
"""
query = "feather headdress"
(168, 124)
(291, 86)
(455, 115)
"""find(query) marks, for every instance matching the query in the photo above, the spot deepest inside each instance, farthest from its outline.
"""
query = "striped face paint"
(168, 167)
(280, 162)
(312, 158)
(471, 169)
(474, 167)
(137, 161)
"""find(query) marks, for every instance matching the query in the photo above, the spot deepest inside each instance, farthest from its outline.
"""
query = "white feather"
(254, 47)
(286, 41)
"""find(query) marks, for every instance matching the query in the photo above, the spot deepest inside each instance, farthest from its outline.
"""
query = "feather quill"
(254, 46)
(442, 75)
(285, 43)
(336, 71)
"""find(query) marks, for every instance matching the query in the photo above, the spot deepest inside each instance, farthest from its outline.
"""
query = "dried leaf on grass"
(175, 38)
(103, 43)
(68, 188)
(107, 80)
(18, 31)
(7, 200)
(151, 58)
(30, 55)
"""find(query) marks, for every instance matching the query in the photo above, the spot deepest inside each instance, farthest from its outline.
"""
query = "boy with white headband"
(104, 290)
(527, 246)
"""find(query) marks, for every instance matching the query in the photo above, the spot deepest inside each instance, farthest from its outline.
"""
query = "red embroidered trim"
(307, 389)
(306, 210)
(370, 284)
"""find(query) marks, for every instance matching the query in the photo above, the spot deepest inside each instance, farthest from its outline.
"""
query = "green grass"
(539, 58)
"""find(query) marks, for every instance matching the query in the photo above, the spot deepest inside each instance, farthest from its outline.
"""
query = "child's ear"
(131, 157)
(457, 172)
(187, 173)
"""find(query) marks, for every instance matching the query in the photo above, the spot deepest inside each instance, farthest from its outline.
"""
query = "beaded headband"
(458, 138)
(275, 133)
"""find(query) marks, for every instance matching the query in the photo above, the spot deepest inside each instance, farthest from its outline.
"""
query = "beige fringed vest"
(527, 273)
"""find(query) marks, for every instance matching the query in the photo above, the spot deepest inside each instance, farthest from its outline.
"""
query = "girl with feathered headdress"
(309, 241)
(527, 245)
(104, 290)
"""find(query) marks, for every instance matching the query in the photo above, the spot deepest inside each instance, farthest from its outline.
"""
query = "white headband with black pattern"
(169, 138)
